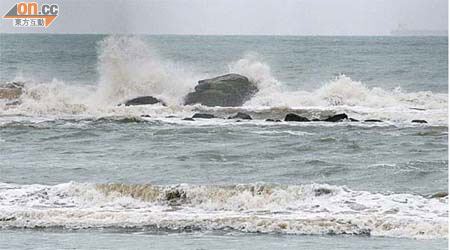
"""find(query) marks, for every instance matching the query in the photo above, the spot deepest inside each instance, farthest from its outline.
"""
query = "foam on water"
(129, 67)
(267, 208)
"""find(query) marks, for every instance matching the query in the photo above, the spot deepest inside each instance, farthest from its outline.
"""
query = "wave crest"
(259, 207)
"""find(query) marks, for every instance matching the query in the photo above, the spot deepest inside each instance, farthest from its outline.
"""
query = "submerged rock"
(143, 100)
(229, 90)
(353, 120)
(295, 118)
(322, 191)
(174, 197)
(11, 90)
(188, 119)
(419, 121)
(204, 116)
(373, 120)
(440, 195)
(337, 118)
(241, 115)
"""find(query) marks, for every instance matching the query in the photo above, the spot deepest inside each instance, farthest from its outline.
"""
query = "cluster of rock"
(230, 90)
(290, 117)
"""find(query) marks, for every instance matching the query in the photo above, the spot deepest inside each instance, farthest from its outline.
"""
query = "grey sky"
(281, 17)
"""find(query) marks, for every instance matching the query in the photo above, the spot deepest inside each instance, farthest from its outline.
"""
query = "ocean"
(80, 171)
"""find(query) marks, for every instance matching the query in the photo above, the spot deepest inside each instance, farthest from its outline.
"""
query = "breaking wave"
(129, 67)
(259, 207)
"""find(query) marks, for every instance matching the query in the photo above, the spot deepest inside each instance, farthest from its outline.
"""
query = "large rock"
(229, 90)
(295, 118)
(204, 116)
(337, 118)
(240, 115)
(11, 90)
(143, 100)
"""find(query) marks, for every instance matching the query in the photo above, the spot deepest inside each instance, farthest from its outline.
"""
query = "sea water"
(78, 171)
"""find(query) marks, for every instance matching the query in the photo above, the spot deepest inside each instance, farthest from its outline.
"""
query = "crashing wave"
(259, 207)
(129, 67)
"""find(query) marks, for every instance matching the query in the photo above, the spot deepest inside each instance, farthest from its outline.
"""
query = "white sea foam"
(129, 67)
(267, 208)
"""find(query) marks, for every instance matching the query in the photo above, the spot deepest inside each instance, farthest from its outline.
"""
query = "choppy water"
(75, 165)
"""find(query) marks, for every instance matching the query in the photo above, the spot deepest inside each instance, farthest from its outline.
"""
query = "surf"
(254, 207)
(129, 67)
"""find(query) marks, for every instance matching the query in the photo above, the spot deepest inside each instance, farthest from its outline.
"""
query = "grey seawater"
(376, 158)
(46, 240)
(51, 149)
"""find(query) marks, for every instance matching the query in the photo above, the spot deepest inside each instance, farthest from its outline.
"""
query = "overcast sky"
(249, 17)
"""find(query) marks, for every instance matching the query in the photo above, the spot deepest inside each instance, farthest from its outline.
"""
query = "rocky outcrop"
(231, 90)
(419, 121)
(143, 100)
(322, 191)
(11, 90)
(295, 118)
(439, 195)
(373, 120)
(337, 118)
(204, 116)
(240, 115)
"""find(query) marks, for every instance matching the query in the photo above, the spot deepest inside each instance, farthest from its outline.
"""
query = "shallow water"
(219, 183)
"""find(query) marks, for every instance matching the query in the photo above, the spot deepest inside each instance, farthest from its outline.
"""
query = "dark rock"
(175, 196)
(117, 119)
(171, 116)
(8, 219)
(337, 118)
(272, 120)
(315, 120)
(143, 100)
(188, 119)
(364, 232)
(373, 120)
(322, 191)
(419, 109)
(146, 116)
(240, 115)
(440, 195)
(204, 116)
(353, 120)
(419, 121)
(229, 90)
(13, 103)
(295, 118)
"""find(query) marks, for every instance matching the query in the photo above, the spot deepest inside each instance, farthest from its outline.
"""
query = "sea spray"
(130, 67)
